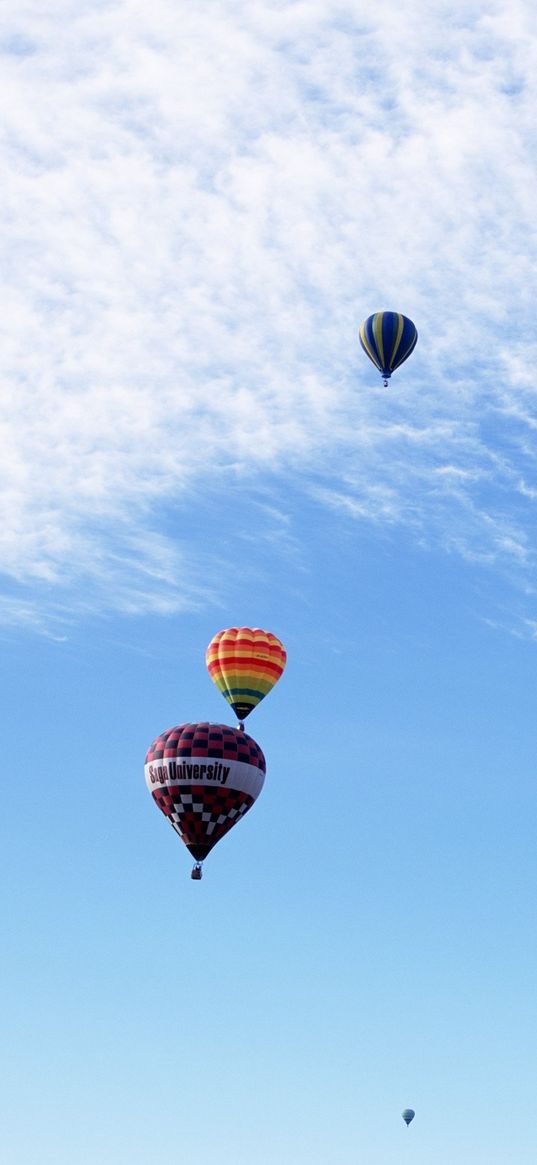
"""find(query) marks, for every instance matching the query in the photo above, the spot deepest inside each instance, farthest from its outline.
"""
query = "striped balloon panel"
(388, 338)
(245, 663)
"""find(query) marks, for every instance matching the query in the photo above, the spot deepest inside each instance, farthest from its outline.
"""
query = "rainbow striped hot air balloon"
(388, 338)
(245, 663)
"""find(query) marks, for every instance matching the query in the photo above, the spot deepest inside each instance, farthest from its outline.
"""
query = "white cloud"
(203, 202)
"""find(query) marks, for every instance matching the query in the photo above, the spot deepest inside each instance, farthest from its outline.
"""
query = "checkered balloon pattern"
(203, 810)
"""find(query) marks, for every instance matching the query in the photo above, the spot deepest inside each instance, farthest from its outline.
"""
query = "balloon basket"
(197, 872)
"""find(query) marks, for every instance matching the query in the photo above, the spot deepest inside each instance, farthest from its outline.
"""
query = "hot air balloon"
(388, 338)
(204, 777)
(408, 1115)
(245, 663)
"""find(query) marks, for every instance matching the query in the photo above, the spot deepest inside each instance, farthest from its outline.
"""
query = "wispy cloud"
(202, 205)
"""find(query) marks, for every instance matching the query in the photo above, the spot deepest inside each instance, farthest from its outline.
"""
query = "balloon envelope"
(204, 777)
(388, 338)
(408, 1115)
(245, 663)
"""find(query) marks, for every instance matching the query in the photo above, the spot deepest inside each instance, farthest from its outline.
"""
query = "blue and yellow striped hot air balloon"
(388, 338)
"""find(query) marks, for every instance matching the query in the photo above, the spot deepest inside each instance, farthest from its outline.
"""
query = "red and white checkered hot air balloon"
(204, 777)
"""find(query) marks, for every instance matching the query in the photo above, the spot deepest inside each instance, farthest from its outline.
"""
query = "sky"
(200, 204)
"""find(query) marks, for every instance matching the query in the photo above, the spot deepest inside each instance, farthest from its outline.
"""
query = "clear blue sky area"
(362, 942)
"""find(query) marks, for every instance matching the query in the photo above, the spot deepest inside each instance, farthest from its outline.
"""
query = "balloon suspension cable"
(197, 872)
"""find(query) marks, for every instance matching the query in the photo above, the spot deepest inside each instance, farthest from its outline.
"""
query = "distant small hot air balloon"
(408, 1115)
(388, 338)
(204, 777)
(245, 663)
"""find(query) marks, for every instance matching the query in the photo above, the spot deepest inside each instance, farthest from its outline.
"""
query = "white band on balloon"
(210, 771)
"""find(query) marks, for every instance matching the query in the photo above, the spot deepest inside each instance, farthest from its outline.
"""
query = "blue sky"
(201, 207)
